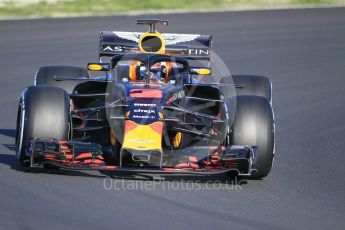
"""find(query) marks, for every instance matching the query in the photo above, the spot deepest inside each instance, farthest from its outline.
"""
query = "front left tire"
(43, 112)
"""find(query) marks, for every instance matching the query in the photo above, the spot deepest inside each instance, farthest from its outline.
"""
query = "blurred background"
(62, 8)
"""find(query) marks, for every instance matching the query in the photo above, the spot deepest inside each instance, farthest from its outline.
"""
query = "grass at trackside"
(104, 7)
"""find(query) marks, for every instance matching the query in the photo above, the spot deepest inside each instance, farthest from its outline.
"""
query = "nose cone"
(143, 137)
(142, 144)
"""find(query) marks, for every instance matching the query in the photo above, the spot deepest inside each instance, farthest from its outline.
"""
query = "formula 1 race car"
(157, 108)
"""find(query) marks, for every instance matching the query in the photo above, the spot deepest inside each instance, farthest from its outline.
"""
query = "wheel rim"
(19, 139)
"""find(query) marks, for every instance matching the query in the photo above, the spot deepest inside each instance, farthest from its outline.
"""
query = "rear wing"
(190, 46)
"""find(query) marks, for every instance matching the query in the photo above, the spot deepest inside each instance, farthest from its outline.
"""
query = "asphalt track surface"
(302, 51)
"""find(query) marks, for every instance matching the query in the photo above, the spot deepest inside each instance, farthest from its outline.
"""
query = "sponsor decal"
(145, 105)
(121, 49)
(143, 117)
(199, 52)
(115, 49)
(143, 113)
(175, 96)
(141, 141)
(131, 36)
(170, 39)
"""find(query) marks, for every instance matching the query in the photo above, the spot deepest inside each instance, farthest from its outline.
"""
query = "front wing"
(74, 155)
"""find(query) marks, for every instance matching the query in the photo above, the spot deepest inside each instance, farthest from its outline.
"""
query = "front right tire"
(253, 125)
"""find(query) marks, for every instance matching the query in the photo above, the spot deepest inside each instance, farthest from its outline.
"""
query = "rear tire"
(253, 124)
(46, 76)
(250, 85)
(43, 112)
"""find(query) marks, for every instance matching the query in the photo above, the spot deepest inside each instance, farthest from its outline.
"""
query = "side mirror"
(98, 66)
(200, 71)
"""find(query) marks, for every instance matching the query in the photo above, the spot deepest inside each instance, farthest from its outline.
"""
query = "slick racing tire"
(248, 85)
(43, 112)
(46, 75)
(253, 124)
